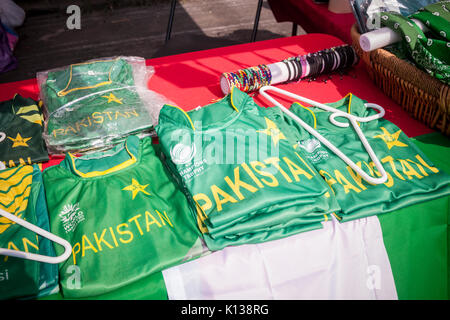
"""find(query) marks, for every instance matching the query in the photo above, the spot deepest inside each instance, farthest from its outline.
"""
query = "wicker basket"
(424, 97)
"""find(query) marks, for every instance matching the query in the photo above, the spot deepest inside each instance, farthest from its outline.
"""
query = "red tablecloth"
(192, 79)
(313, 17)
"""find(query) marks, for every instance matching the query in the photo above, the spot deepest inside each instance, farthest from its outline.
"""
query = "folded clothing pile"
(140, 225)
(237, 164)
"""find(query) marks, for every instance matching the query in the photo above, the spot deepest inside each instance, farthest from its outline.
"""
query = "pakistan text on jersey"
(96, 118)
(259, 176)
(337, 177)
(112, 237)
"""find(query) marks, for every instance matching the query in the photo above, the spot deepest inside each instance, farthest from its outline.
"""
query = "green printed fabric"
(93, 105)
(416, 237)
(236, 162)
(429, 51)
(21, 126)
(411, 177)
(123, 215)
(22, 194)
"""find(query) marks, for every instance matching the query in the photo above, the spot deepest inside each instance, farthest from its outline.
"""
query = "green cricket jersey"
(412, 177)
(22, 194)
(93, 105)
(237, 163)
(123, 215)
(21, 126)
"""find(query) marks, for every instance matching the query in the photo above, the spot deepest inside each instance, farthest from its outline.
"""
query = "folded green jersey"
(95, 104)
(123, 216)
(237, 163)
(412, 177)
(22, 194)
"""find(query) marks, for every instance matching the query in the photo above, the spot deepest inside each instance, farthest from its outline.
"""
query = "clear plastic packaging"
(96, 104)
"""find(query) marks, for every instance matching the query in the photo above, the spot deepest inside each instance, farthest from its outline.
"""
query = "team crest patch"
(71, 216)
(182, 154)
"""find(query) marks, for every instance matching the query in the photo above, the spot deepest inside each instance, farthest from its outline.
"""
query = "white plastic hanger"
(41, 232)
(336, 113)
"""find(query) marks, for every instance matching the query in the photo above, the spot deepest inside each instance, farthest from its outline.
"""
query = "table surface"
(192, 79)
(314, 17)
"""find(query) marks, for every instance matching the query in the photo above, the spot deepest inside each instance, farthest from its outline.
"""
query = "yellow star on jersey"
(273, 131)
(112, 97)
(391, 140)
(19, 141)
(135, 188)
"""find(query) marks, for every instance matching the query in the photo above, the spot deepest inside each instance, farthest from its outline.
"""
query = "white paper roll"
(383, 37)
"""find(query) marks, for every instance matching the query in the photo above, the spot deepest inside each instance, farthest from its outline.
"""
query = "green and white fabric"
(411, 177)
(237, 163)
(97, 104)
(428, 51)
(341, 261)
(22, 194)
(21, 127)
(123, 215)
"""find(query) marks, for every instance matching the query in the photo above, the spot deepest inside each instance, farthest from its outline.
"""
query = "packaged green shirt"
(237, 163)
(123, 216)
(21, 126)
(95, 104)
(22, 194)
(411, 176)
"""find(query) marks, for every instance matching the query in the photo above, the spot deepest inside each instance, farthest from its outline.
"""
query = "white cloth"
(341, 261)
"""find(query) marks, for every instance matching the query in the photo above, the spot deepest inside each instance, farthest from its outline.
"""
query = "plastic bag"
(7, 60)
(11, 14)
(96, 104)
